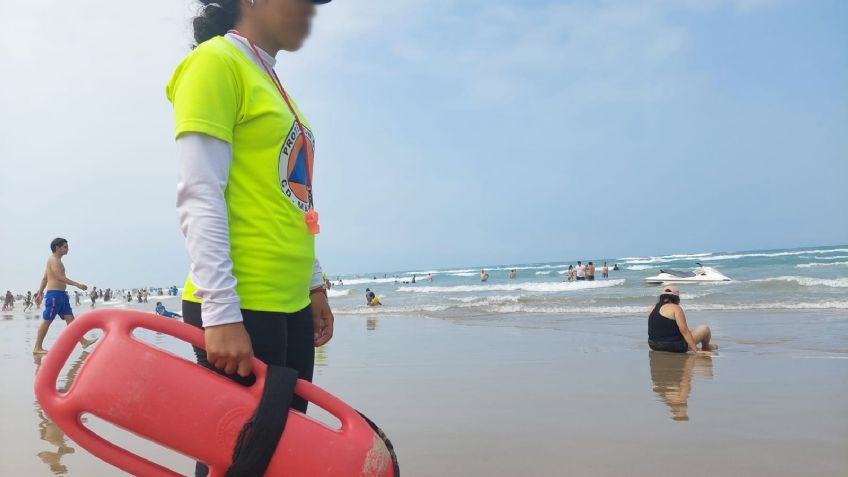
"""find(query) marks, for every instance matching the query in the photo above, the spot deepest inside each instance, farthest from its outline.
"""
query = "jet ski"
(696, 275)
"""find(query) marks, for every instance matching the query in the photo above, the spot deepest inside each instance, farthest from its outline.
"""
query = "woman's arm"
(680, 318)
(317, 276)
(204, 165)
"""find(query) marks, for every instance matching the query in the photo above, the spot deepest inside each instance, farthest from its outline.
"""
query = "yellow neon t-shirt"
(217, 90)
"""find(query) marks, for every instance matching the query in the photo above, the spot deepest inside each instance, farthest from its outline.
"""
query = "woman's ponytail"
(215, 18)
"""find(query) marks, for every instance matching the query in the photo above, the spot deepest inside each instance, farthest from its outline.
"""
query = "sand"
(522, 395)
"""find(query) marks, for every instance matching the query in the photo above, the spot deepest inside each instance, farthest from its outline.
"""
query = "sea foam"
(545, 287)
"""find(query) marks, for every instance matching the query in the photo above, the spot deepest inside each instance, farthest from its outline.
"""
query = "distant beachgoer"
(484, 276)
(93, 296)
(413, 278)
(571, 273)
(28, 302)
(668, 330)
(129, 296)
(605, 271)
(513, 273)
(8, 301)
(590, 271)
(371, 298)
(429, 277)
(615, 267)
(580, 271)
(161, 310)
(57, 300)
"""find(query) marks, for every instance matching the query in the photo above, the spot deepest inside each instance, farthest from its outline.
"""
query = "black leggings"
(281, 339)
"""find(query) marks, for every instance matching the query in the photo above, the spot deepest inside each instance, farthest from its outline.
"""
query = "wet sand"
(514, 395)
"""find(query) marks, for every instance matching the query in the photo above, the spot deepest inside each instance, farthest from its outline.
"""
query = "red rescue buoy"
(143, 389)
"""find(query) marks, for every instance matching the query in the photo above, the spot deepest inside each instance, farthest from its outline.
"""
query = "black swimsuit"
(663, 333)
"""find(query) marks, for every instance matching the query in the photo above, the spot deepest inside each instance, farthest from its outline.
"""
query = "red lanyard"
(311, 215)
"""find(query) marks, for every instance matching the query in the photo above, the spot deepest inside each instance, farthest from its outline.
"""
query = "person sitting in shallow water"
(668, 330)
(161, 310)
(371, 298)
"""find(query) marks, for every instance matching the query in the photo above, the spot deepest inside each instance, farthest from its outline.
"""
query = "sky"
(449, 133)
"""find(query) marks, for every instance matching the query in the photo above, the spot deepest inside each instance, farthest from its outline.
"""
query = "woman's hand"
(322, 318)
(228, 348)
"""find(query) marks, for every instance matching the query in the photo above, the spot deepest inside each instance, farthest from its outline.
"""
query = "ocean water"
(813, 278)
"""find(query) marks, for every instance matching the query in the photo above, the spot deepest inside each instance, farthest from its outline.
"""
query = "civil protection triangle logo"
(295, 167)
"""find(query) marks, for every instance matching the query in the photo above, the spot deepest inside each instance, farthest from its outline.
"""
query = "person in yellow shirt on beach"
(244, 192)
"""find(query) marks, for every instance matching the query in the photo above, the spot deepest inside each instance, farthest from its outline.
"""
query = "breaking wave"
(544, 287)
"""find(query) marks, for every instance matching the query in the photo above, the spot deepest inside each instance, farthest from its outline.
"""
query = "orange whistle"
(312, 222)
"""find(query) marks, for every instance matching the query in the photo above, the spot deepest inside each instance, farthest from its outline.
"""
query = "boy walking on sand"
(56, 300)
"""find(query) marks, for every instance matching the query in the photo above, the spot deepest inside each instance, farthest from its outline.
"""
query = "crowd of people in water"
(139, 295)
(328, 284)
(668, 329)
(587, 272)
(573, 273)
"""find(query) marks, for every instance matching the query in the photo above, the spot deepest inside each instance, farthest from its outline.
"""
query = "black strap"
(260, 435)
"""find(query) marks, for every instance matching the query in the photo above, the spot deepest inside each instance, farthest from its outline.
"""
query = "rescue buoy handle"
(118, 323)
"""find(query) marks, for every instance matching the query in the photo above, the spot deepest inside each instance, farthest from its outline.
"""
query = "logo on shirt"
(295, 167)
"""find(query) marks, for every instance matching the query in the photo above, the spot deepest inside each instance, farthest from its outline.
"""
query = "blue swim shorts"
(56, 302)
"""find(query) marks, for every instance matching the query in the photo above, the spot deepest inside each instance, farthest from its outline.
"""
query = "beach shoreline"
(539, 395)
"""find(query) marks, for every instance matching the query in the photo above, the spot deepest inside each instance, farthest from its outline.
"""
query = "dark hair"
(215, 18)
(669, 298)
(57, 243)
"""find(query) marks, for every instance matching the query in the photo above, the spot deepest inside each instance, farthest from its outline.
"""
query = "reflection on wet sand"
(54, 436)
(371, 323)
(671, 374)
(48, 431)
